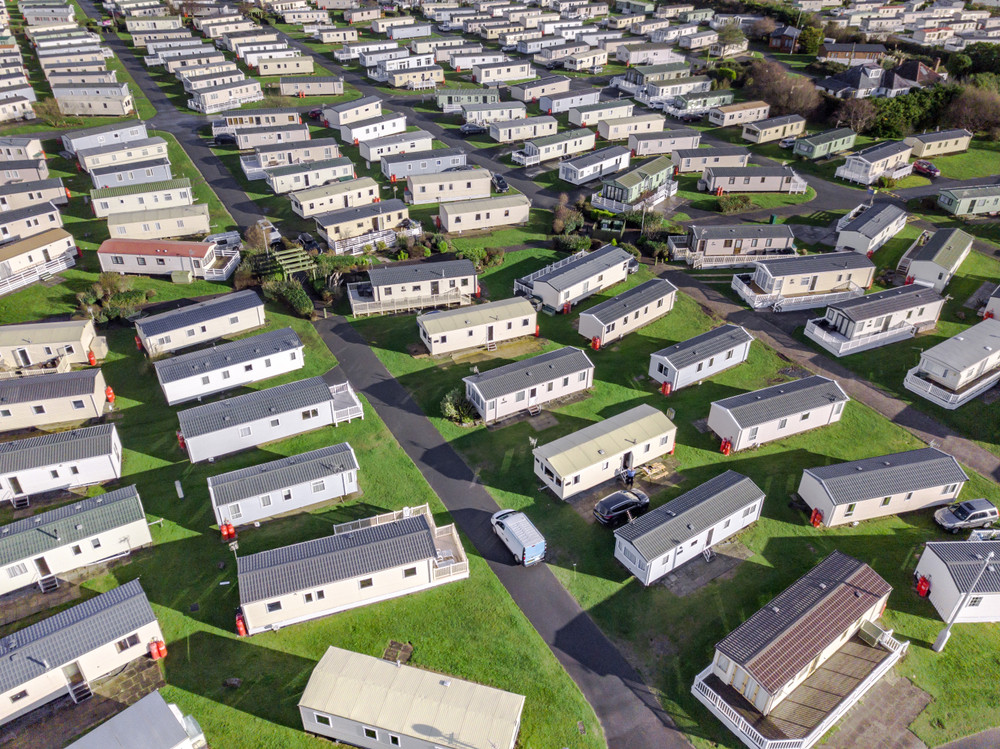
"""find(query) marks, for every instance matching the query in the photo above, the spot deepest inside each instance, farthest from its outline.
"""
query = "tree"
(958, 65)
(975, 109)
(810, 39)
(786, 93)
(857, 114)
(731, 33)
(762, 28)
(254, 239)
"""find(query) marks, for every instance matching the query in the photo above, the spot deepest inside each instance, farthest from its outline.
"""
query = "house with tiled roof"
(364, 561)
(788, 673)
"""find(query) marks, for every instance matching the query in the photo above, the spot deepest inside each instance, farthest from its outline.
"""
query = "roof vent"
(886, 463)
(822, 586)
(775, 609)
(78, 527)
(690, 527)
(857, 594)
(600, 452)
(445, 682)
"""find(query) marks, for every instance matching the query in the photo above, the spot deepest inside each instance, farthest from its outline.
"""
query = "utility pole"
(942, 638)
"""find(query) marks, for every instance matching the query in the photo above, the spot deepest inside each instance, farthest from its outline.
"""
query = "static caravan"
(564, 102)
(414, 141)
(959, 369)
(348, 194)
(929, 145)
(869, 226)
(17, 148)
(588, 115)
(266, 135)
(884, 485)
(25, 261)
(981, 200)
(739, 114)
(604, 451)
(625, 313)
(534, 90)
(233, 424)
(72, 537)
(157, 257)
(449, 331)
(495, 73)
(22, 223)
(33, 343)
(643, 187)
(805, 281)
(194, 83)
(290, 484)
(401, 166)
(454, 99)
(150, 717)
(23, 170)
(293, 65)
(363, 562)
(530, 383)
(416, 286)
(161, 223)
(202, 322)
(311, 85)
(777, 412)
(17, 195)
(774, 128)
(360, 221)
(282, 179)
(874, 320)
(386, 124)
(485, 114)
(935, 257)
(486, 213)
(556, 146)
(61, 461)
(569, 281)
(358, 110)
(957, 591)
(728, 245)
(335, 35)
(200, 374)
(63, 654)
(594, 165)
(467, 184)
(723, 180)
(655, 544)
(225, 96)
(667, 141)
(622, 128)
(700, 357)
(887, 159)
(523, 129)
(592, 59)
(824, 144)
(42, 401)
(137, 173)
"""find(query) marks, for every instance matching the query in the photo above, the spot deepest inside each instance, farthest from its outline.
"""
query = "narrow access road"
(629, 712)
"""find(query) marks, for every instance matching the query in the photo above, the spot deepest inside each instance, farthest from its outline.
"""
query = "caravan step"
(20, 503)
(534, 410)
(81, 691)
(48, 583)
(491, 346)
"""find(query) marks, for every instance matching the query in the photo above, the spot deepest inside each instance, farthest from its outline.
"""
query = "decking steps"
(48, 583)
(20, 503)
(81, 691)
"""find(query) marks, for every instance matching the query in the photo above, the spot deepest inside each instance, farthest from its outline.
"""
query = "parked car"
(225, 139)
(972, 513)
(226, 239)
(470, 128)
(788, 142)
(555, 64)
(307, 241)
(509, 48)
(500, 184)
(519, 536)
(621, 507)
(315, 114)
(926, 168)
(271, 234)
(690, 117)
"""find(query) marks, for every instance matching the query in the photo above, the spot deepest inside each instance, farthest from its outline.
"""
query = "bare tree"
(975, 109)
(857, 114)
(786, 93)
(763, 28)
(254, 239)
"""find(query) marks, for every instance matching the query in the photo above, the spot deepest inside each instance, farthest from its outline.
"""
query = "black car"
(690, 117)
(500, 184)
(621, 507)
(470, 128)
(225, 139)
(315, 114)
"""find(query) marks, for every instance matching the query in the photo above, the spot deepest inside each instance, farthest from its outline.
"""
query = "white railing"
(349, 412)
(524, 285)
(904, 262)
(666, 190)
(232, 257)
(943, 396)
(679, 245)
(699, 260)
(810, 301)
(751, 297)
(37, 272)
(62, 366)
(840, 345)
(526, 159)
(356, 245)
(360, 307)
(233, 102)
(388, 517)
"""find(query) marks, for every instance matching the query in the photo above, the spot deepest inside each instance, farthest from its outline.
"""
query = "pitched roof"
(462, 207)
(62, 385)
(465, 173)
(29, 211)
(828, 136)
(770, 122)
(342, 556)
(283, 128)
(158, 214)
(260, 404)
(360, 212)
(34, 242)
(779, 641)
(64, 637)
(121, 145)
(57, 447)
(609, 436)
(971, 346)
(69, 524)
(149, 722)
(779, 401)
(709, 153)
(590, 265)
(226, 355)
(964, 559)
(805, 264)
(680, 519)
(518, 375)
(56, 331)
(882, 476)
(140, 189)
(154, 247)
(199, 312)
(749, 171)
(633, 299)
(976, 191)
(854, 47)
(565, 135)
(389, 140)
(681, 132)
(945, 247)
(436, 154)
(705, 345)
(282, 473)
(310, 166)
(397, 273)
(132, 166)
(741, 231)
(461, 318)
(458, 714)
(15, 188)
(886, 302)
(873, 219)
(942, 135)
(638, 175)
(882, 150)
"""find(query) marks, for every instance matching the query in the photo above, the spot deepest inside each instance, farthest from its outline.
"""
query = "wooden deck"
(801, 711)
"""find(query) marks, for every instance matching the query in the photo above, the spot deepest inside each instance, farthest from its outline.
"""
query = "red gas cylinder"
(241, 626)
(672, 448)
(393, 179)
(161, 648)
(154, 651)
(566, 308)
(666, 388)
(595, 343)
(538, 331)
(870, 254)
(91, 359)
(109, 394)
(923, 586)
(180, 441)
(816, 519)
(138, 343)
(988, 316)
(355, 141)
(479, 291)
(224, 530)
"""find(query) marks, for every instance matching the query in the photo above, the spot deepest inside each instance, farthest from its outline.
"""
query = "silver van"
(520, 536)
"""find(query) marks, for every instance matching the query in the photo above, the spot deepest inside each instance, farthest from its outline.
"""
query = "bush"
(886, 183)
(442, 245)
(476, 255)
(572, 243)
(495, 257)
(729, 204)
(456, 407)
(290, 293)
(631, 249)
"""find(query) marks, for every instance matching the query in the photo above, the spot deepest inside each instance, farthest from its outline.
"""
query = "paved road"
(630, 714)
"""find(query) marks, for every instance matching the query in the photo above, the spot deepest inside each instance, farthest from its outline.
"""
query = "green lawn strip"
(538, 229)
(983, 227)
(143, 106)
(182, 166)
(687, 189)
(979, 161)
(672, 639)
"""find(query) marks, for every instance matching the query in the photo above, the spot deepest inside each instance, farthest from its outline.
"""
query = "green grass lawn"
(670, 639)
(979, 161)
(687, 189)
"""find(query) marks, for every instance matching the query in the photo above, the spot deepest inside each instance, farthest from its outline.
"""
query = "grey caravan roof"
(358, 211)
(805, 264)
(69, 524)
(884, 475)
(964, 560)
(886, 302)
(683, 518)
(436, 154)
(280, 474)
(585, 267)
(393, 273)
(119, 146)
(58, 447)
(871, 221)
(749, 171)
(311, 564)
(634, 298)
(131, 166)
(16, 188)
(64, 637)
(516, 376)
(721, 151)
(967, 348)
(149, 723)
(295, 145)
(597, 157)
(703, 346)
(38, 209)
(347, 106)
(662, 134)
(827, 136)
(942, 135)
(882, 150)
(227, 355)
(243, 409)
(779, 401)
(194, 314)
(64, 385)
(742, 231)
